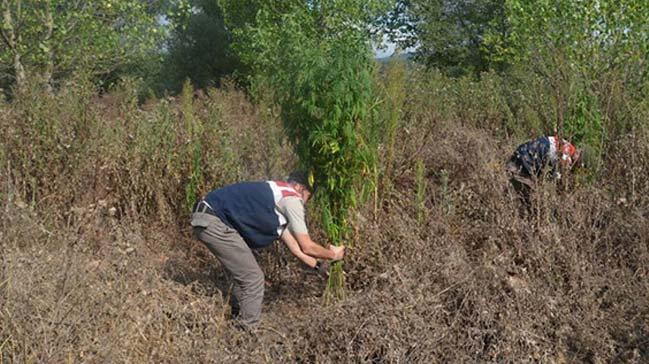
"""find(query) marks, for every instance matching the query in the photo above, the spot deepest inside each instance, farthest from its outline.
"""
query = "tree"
(50, 39)
(594, 35)
(449, 34)
(199, 48)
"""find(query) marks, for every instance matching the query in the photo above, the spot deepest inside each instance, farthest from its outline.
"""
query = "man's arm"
(309, 255)
(293, 209)
(315, 250)
(294, 247)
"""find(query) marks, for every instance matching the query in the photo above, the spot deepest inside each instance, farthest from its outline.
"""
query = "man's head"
(300, 182)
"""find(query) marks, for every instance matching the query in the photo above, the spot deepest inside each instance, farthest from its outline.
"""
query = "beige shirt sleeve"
(293, 210)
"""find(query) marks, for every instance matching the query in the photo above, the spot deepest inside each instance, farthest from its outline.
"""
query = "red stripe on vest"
(286, 193)
(564, 147)
(569, 149)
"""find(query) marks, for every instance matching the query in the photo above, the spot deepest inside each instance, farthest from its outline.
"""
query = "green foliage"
(586, 126)
(491, 102)
(198, 47)
(594, 35)
(316, 58)
(450, 35)
(54, 39)
(577, 54)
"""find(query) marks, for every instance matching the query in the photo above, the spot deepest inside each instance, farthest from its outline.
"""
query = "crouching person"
(234, 220)
(531, 160)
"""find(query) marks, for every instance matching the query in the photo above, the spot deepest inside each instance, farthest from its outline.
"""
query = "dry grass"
(477, 281)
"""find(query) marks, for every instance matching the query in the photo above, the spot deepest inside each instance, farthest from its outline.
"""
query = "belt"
(203, 207)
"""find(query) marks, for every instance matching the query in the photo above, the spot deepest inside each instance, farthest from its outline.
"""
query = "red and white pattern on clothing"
(566, 154)
(280, 190)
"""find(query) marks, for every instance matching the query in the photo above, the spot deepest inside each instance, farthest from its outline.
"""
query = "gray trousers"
(237, 258)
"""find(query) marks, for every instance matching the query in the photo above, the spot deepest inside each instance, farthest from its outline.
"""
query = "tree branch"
(6, 40)
(6, 22)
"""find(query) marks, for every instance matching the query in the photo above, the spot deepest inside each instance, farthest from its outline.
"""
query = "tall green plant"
(316, 57)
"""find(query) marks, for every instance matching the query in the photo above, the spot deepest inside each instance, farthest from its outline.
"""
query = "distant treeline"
(168, 41)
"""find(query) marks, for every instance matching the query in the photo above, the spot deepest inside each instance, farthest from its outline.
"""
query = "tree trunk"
(49, 30)
(12, 40)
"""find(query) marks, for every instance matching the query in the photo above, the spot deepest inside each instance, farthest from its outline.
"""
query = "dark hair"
(302, 178)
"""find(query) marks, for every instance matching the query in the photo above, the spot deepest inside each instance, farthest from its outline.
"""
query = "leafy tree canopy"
(51, 39)
(199, 48)
(594, 35)
(448, 34)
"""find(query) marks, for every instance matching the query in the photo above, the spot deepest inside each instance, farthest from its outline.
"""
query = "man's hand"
(322, 267)
(339, 251)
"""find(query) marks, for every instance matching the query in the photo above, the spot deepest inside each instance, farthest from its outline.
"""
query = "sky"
(388, 48)
(382, 53)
